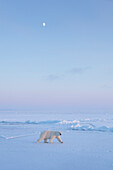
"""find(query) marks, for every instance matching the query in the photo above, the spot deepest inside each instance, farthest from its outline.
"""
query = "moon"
(44, 24)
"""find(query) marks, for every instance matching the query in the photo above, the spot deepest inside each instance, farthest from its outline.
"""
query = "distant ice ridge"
(69, 122)
(101, 125)
(40, 122)
(90, 127)
(28, 122)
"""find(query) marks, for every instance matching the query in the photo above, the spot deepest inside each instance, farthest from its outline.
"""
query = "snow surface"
(88, 141)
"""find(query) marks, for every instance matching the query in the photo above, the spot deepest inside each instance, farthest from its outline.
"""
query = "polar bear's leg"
(41, 138)
(45, 141)
(51, 139)
(58, 138)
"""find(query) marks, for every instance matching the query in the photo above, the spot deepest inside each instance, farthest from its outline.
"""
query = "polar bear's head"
(58, 133)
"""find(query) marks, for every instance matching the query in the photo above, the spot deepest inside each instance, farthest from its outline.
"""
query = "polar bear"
(50, 135)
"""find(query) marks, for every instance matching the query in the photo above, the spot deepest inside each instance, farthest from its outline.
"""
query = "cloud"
(105, 86)
(52, 77)
(109, 0)
(78, 70)
(73, 71)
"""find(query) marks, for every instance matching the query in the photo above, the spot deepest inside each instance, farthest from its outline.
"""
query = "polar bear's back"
(48, 134)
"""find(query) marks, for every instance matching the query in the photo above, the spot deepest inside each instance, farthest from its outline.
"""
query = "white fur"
(50, 135)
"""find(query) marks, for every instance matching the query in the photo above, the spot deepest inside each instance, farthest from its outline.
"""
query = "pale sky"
(66, 65)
